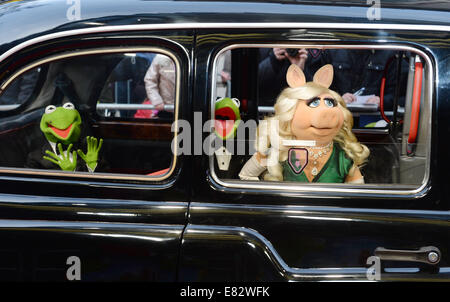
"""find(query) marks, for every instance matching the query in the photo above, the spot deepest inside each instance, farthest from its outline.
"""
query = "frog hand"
(63, 160)
(91, 156)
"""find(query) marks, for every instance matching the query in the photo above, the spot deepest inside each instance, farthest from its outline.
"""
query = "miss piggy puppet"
(309, 139)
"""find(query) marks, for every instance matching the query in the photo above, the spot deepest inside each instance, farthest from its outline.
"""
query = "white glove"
(252, 169)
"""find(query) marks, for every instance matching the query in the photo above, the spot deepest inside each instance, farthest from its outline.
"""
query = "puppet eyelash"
(330, 102)
(314, 102)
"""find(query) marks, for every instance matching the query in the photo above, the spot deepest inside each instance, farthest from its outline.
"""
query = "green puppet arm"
(63, 160)
(91, 156)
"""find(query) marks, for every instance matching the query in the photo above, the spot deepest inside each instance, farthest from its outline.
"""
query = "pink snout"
(326, 118)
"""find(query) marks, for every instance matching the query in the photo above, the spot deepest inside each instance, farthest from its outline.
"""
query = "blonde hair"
(273, 130)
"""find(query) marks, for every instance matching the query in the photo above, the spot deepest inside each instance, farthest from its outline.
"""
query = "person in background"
(359, 72)
(134, 68)
(356, 72)
(362, 70)
(160, 83)
(272, 69)
(125, 85)
(223, 75)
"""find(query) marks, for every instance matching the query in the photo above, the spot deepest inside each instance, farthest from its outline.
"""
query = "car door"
(394, 227)
(123, 222)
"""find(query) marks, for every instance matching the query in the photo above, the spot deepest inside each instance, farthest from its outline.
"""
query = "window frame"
(331, 190)
(16, 108)
(100, 175)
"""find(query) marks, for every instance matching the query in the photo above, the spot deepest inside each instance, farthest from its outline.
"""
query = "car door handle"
(427, 254)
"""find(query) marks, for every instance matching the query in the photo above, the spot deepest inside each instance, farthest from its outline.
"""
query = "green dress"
(335, 169)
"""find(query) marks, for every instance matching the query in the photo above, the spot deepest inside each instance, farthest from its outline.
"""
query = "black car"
(159, 204)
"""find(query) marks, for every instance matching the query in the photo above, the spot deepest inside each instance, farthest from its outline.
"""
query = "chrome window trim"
(327, 190)
(246, 25)
(100, 175)
(256, 241)
(208, 25)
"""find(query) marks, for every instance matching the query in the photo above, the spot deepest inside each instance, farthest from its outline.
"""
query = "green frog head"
(61, 124)
(227, 117)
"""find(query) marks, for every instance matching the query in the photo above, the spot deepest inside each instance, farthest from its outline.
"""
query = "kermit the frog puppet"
(226, 122)
(62, 128)
(227, 117)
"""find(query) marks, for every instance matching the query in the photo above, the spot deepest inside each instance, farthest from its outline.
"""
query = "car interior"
(85, 81)
(109, 92)
(396, 134)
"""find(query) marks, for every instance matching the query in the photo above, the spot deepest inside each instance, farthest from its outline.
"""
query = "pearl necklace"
(315, 156)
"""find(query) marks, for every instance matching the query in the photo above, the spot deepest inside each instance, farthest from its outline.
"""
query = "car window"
(93, 113)
(138, 82)
(20, 91)
(312, 116)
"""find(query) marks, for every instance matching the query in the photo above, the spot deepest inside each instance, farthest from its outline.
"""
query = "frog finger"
(89, 141)
(53, 155)
(68, 149)
(51, 159)
(100, 144)
(81, 154)
(94, 143)
(61, 151)
(74, 158)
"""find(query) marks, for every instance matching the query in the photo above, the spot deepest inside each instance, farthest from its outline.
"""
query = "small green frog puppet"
(226, 122)
(62, 126)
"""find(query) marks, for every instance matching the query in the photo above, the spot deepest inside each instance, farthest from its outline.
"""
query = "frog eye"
(330, 102)
(236, 101)
(68, 106)
(314, 102)
(50, 109)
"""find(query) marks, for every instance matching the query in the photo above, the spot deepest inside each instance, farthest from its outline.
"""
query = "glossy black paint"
(310, 231)
(51, 16)
(189, 228)
(310, 241)
(39, 249)
(177, 188)
(121, 231)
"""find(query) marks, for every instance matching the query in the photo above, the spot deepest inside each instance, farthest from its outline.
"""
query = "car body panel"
(297, 236)
(138, 224)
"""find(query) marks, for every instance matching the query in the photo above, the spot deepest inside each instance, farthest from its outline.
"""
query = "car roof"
(50, 16)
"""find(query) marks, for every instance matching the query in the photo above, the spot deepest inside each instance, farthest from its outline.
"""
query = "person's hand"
(299, 59)
(280, 53)
(373, 100)
(225, 76)
(349, 98)
(159, 107)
